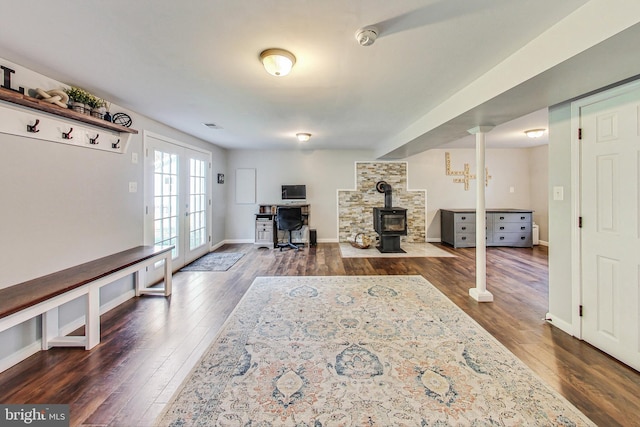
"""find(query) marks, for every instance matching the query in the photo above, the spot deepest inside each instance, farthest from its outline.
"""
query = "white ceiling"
(185, 63)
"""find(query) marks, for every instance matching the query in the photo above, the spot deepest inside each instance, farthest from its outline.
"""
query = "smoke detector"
(366, 36)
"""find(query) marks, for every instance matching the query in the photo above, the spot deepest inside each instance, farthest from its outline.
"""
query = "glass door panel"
(177, 200)
(198, 206)
(165, 200)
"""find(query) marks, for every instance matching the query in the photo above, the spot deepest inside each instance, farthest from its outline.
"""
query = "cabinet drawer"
(464, 217)
(512, 239)
(465, 240)
(512, 227)
(511, 217)
(465, 227)
(267, 226)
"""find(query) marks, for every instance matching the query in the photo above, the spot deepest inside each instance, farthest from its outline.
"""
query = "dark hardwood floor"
(150, 344)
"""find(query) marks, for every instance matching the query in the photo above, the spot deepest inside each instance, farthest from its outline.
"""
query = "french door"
(177, 200)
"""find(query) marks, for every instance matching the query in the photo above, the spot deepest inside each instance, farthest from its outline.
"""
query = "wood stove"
(389, 222)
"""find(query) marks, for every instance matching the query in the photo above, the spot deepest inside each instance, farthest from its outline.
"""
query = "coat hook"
(67, 135)
(116, 145)
(94, 140)
(33, 129)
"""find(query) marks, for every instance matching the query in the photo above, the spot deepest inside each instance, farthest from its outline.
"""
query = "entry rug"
(214, 261)
(360, 351)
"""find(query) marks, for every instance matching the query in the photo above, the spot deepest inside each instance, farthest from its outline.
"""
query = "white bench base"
(51, 336)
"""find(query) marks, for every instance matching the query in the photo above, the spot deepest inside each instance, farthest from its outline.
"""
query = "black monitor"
(294, 192)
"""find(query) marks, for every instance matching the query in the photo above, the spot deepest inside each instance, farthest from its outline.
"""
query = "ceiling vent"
(212, 126)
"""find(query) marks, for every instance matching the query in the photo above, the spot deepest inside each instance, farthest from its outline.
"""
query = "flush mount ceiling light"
(303, 137)
(277, 62)
(534, 133)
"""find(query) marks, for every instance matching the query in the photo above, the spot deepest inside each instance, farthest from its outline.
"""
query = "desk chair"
(289, 218)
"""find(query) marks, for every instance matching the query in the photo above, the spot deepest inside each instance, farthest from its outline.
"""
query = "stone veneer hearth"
(355, 207)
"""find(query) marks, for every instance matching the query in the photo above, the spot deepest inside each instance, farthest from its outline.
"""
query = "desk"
(266, 230)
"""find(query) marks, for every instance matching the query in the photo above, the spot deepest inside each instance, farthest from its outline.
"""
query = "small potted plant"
(78, 99)
(97, 106)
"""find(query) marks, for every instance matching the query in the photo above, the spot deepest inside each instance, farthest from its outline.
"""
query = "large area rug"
(214, 261)
(411, 250)
(360, 351)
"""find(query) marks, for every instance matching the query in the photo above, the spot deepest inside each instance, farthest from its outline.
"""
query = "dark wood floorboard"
(150, 344)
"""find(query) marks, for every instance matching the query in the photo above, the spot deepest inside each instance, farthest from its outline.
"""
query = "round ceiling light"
(277, 62)
(303, 137)
(534, 133)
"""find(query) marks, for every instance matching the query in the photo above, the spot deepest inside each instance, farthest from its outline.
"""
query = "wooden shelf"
(37, 104)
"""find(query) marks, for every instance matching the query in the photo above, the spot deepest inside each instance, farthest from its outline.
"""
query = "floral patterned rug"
(360, 351)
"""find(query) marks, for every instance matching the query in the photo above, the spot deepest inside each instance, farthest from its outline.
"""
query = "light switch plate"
(133, 187)
(134, 158)
(558, 193)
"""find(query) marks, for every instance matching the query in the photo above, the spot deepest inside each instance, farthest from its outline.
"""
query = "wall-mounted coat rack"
(26, 116)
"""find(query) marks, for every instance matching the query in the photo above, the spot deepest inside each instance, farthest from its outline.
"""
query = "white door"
(610, 234)
(177, 200)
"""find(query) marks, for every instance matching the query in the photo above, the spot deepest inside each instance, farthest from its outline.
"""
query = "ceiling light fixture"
(303, 137)
(277, 62)
(534, 133)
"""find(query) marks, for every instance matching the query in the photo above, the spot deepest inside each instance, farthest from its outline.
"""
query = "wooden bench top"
(26, 294)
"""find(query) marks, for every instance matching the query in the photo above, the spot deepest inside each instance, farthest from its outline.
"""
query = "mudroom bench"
(44, 295)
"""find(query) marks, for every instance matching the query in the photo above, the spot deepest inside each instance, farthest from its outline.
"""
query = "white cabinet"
(264, 232)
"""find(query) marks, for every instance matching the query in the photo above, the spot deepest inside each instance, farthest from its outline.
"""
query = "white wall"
(560, 256)
(507, 168)
(539, 188)
(322, 171)
(63, 205)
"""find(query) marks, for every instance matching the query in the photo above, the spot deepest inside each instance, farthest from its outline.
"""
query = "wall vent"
(212, 126)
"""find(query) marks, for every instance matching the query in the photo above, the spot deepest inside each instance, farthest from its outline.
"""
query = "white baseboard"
(433, 240)
(216, 246)
(20, 355)
(543, 243)
(327, 240)
(238, 241)
(559, 323)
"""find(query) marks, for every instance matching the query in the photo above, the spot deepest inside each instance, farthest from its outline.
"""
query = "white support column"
(480, 293)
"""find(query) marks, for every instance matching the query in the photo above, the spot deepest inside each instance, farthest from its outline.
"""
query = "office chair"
(289, 218)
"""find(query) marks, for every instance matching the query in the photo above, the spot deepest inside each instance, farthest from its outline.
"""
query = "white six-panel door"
(610, 234)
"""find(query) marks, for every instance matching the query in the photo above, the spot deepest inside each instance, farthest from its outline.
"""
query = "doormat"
(214, 261)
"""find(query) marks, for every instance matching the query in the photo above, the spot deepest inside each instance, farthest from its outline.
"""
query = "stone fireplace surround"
(355, 207)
